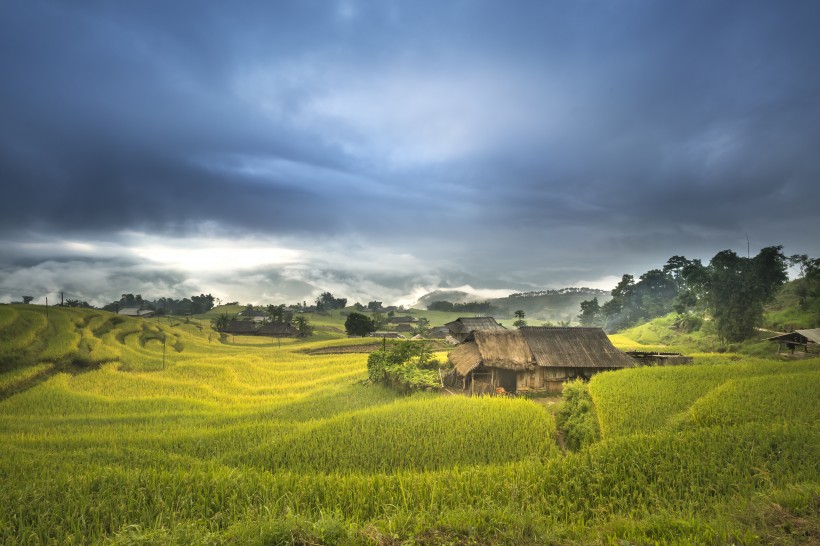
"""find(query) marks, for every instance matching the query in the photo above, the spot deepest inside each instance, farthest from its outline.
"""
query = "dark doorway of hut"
(507, 380)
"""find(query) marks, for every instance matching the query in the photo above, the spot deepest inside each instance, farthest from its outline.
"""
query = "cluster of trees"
(558, 292)
(276, 313)
(732, 289)
(469, 307)
(807, 286)
(165, 306)
(326, 302)
(76, 303)
(288, 315)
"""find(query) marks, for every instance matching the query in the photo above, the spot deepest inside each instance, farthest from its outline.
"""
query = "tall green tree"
(202, 303)
(221, 322)
(326, 302)
(276, 312)
(736, 289)
(519, 319)
(617, 311)
(301, 323)
(590, 313)
(422, 327)
(358, 324)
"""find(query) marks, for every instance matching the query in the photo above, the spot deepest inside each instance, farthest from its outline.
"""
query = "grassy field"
(241, 441)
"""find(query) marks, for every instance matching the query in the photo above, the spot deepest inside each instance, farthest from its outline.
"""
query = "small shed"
(388, 335)
(798, 338)
(533, 358)
(463, 327)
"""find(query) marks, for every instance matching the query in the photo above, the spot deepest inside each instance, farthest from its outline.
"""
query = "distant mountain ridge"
(554, 305)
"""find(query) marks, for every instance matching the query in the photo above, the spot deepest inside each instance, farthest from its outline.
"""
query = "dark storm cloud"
(528, 142)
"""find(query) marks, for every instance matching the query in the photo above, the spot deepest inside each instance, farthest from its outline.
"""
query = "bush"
(577, 419)
(408, 366)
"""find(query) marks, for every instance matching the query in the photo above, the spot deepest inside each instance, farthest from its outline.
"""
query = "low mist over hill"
(560, 305)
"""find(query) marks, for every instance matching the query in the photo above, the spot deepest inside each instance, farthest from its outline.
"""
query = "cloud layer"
(386, 147)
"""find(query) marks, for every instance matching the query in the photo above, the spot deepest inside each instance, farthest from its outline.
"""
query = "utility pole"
(163, 351)
(61, 299)
(46, 308)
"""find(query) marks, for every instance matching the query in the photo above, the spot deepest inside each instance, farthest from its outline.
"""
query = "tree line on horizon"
(165, 306)
(731, 289)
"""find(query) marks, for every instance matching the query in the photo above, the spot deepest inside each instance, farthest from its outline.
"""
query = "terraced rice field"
(239, 441)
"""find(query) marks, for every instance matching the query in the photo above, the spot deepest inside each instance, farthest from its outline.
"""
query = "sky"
(266, 152)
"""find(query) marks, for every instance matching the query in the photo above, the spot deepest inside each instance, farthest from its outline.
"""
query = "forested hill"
(559, 305)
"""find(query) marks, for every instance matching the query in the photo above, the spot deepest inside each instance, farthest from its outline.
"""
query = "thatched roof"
(528, 347)
(504, 349)
(281, 329)
(240, 327)
(465, 325)
(400, 320)
(574, 347)
(465, 358)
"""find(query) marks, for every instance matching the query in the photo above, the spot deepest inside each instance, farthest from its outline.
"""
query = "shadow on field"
(74, 367)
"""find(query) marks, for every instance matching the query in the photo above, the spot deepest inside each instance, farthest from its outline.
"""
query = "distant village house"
(462, 328)
(252, 328)
(135, 312)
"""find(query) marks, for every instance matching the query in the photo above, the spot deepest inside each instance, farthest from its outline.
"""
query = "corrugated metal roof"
(812, 335)
(574, 347)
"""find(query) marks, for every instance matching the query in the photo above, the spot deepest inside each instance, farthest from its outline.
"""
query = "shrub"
(408, 365)
(577, 419)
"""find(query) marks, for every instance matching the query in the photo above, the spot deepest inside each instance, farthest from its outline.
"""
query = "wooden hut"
(798, 338)
(533, 358)
(463, 327)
